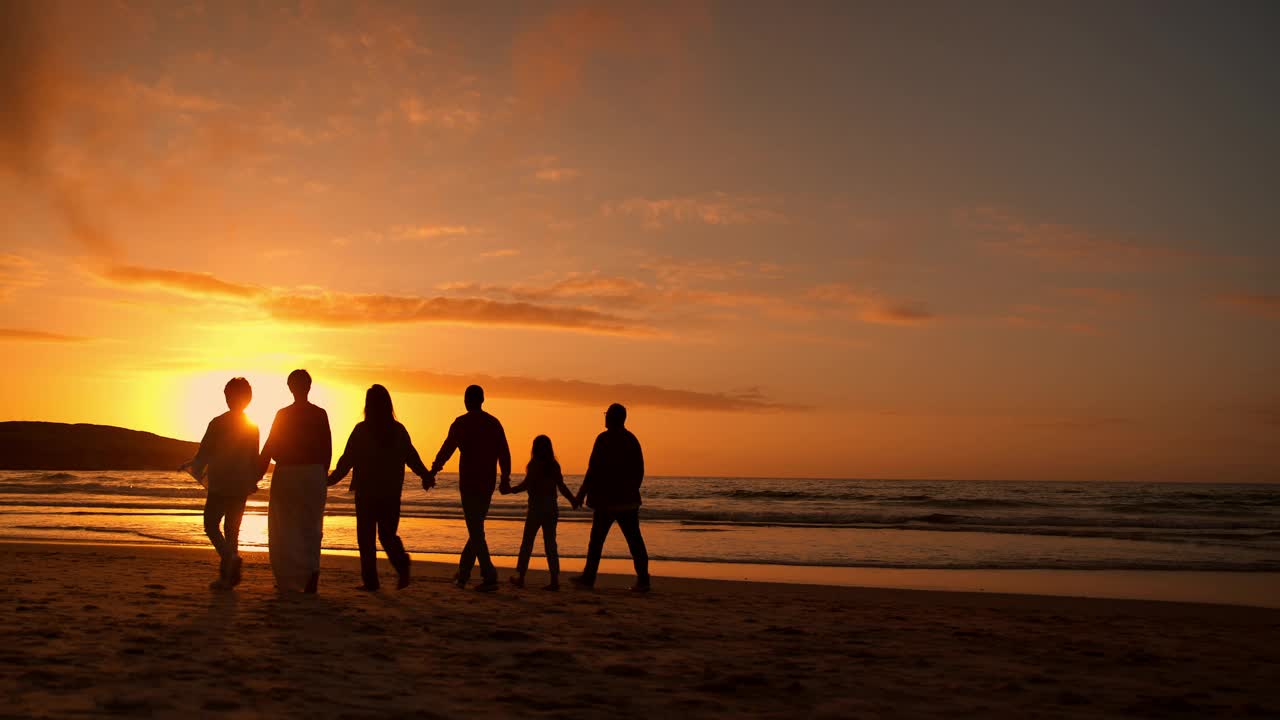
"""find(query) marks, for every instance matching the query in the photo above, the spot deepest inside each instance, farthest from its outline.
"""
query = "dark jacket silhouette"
(378, 456)
(614, 472)
(483, 443)
(612, 489)
(229, 454)
(228, 461)
(299, 436)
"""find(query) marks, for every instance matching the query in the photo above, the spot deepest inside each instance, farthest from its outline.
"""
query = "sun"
(201, 399)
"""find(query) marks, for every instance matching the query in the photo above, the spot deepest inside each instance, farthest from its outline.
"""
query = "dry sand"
(135, 631)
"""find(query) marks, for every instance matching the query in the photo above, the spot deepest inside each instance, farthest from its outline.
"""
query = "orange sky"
(850, 241)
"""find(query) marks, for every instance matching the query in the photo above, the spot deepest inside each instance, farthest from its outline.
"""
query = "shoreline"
(1258, 589)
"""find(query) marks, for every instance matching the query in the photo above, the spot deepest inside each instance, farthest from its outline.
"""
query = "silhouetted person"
(542, 479)
(377, 451)
(483, 444)
(229, 455)
(302, 447)
(612, 489)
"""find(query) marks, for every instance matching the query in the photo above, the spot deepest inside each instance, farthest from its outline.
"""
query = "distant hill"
(59, 446)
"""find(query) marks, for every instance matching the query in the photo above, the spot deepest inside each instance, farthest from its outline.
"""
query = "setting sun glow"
(845, 256)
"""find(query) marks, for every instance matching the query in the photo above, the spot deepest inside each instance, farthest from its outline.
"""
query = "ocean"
(824, 523)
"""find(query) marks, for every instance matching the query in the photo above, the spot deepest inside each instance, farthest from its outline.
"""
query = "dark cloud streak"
(34, 83)
(566, 392)
(340, 309)
(38, 336)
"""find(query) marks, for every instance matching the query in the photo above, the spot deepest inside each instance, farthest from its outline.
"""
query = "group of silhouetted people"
(230, 465)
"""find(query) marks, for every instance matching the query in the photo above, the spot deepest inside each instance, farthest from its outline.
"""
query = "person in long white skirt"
(301, 446)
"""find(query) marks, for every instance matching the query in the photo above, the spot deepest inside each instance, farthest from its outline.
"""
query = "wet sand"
(135, 631)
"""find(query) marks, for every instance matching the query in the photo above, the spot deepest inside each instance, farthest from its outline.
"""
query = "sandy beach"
(134, 631)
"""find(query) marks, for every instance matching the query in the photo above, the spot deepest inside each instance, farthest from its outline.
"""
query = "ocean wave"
(447, 507)
(100, 488)
(748, 494)
(90, 529)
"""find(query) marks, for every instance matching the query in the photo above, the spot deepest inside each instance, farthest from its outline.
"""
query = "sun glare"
(201, 398)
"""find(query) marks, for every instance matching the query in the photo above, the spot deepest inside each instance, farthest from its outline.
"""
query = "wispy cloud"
(38, 336)
(428, 232)
(551, 56)
(350, 309)
(36, 87)
(191, 283)
(1080, 423)
(163, 96)
(567, 392)
(717, 208)
(1107, 297)
(1065, 246)
(622, 292)
(873, 307)
(684, 271)
(418, 112)
(342, 309)
(1265, 304)
(556, 174)
(18, 272)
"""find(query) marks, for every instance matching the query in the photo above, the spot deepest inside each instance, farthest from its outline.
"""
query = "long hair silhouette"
(378, 410)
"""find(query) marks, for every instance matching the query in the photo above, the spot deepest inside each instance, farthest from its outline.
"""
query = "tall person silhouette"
(612, 489)
(479, 437)
(378, 450)
(302, 447)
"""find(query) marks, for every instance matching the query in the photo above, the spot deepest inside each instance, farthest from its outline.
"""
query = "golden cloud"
(566, 392)
(1265, 304)
(341, 309)
(37, 336)
(872, 307)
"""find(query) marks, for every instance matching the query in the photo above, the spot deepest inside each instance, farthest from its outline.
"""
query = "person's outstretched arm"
(269, 449)
(504, 456)
(413, 459)
(197, 465)
(520, 486)
(348, 458)
(592, 469)
(639, 468)
(257, 438)
(564, 489)
(328, 440)
(447, 449)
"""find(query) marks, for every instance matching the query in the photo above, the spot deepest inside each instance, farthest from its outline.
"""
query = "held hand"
(333, 479)
(189, 468)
